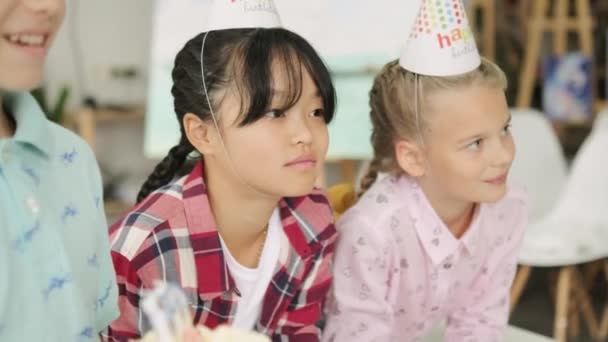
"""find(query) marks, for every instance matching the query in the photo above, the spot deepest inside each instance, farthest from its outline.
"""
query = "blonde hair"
(392, 100)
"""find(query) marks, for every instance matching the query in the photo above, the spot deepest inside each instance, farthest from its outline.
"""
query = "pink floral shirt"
(399, 271)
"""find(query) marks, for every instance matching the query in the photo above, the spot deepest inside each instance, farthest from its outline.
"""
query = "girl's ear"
(201, 134)
(410, 157)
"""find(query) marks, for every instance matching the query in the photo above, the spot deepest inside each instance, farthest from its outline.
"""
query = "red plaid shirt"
(172, 236)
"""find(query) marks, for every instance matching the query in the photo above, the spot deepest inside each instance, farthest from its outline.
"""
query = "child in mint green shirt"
(57, 281)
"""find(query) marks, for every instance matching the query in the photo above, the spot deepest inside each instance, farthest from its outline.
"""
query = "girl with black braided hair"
(244, 232)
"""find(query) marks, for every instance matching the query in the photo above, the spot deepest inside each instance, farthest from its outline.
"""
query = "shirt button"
(32, 205)
(447, 265)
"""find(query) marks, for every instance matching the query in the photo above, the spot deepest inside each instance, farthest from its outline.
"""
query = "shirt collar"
(472, 236)
(32, 124)
(204, 238)
(438, 241)
(303, 232)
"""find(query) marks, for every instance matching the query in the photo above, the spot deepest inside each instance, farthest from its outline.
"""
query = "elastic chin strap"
(417, 94)
(217, 127)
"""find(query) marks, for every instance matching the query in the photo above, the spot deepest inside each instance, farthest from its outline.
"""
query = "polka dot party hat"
(232, 14)
(441, 42)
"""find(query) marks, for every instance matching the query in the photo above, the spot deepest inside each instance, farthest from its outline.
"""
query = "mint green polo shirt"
(57, 281)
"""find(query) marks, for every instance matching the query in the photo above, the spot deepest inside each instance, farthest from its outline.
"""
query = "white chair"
(574, 232)
(601, 128)
(539, 165)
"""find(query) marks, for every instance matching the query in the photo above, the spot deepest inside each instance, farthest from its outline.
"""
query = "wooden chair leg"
(521, 279)
(574, 327)
(564, 288)
(584, 304)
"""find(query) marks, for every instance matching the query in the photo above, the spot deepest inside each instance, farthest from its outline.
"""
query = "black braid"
(166, 170)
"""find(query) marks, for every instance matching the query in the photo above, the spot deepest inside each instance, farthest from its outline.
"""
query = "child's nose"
(301, 130)
(504, 153)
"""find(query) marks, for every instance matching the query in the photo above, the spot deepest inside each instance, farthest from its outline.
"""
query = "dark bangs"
(252, 72)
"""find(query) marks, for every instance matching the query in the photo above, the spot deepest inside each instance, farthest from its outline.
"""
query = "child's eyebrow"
(469, 138)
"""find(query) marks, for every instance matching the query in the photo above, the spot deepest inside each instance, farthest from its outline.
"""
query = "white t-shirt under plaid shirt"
(253, 282)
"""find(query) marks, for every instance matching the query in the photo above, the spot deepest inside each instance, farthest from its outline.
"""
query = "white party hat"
(441, 42)
(233, 14)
